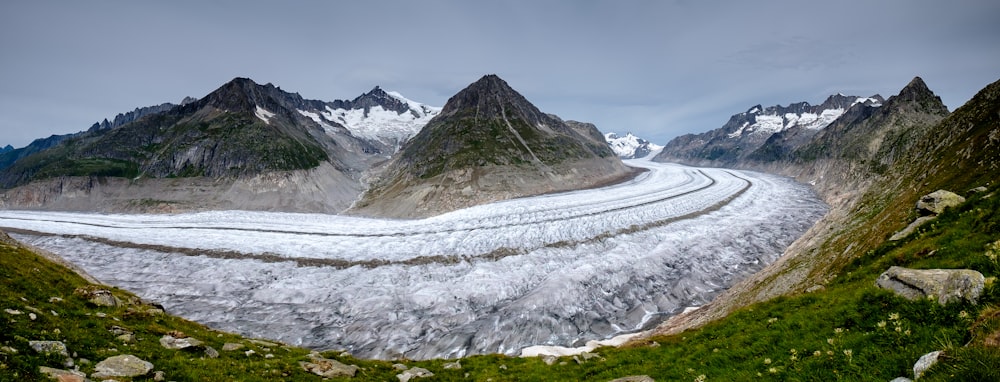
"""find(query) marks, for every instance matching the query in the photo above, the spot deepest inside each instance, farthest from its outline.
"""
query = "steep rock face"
(487, 144)
(747, 132)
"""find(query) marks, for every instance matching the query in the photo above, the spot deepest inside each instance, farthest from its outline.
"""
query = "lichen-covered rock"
(49, 347)
(416, 372)
(99, 297)
(328, 368)
(125, 365)
(937, 201)
(174, 343)
(944, 285)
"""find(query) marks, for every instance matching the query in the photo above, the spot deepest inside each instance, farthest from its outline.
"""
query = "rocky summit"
(489, 143)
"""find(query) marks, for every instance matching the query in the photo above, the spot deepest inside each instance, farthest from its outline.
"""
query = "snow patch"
(767, 124)
(870, 100)
(739, 131)
(263, 114)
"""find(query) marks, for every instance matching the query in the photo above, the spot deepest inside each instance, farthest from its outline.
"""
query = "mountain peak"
(916, 87)
(918, 92)
(491, 97)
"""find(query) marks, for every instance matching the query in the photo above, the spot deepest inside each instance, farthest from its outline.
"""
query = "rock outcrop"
(943, 285)
(328, 368)
(936, 202)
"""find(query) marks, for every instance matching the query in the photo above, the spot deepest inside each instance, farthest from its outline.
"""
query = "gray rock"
(173, 343)
(549, 359)
(452, 365)
(924, 363)
(399, 366)
(634, 378)
(126, 338)
(99, 297)
(978, 190)
(231, 346)
(63, 375)
(125, 365)
(328, 368)
(211, 352)
(910, 228)
(159, 376)
(945, 285)
(416, 372)
(265, 343)
(936, 202)
(49, 347)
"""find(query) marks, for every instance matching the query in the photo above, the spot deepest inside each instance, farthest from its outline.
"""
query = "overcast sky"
(655, 68)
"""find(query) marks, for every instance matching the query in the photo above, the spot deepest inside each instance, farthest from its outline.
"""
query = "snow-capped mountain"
(630, 146)
(386, 117)
(748, 131)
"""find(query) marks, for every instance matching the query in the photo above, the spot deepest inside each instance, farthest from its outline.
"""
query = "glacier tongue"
(556, 270)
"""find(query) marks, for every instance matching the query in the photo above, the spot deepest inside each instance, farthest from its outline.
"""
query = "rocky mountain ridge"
(871, 165)
(491, 144)
(745, 133)
(240, 139)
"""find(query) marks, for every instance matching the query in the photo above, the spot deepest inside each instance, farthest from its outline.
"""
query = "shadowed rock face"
(489, 143)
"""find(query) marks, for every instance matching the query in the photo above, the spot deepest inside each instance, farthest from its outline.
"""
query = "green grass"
(849, 331)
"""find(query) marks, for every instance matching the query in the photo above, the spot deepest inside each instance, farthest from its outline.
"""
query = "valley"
(556, 269)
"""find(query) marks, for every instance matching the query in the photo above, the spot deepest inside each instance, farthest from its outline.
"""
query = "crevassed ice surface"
(556, 269)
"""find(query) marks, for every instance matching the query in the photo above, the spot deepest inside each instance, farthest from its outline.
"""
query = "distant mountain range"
(251, 146)
(244, 146)
(745, 134)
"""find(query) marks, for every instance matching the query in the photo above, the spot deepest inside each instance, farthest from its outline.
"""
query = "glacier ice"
(555, 270)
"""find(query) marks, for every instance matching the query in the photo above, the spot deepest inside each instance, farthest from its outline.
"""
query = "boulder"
(935, 203)
(944, 285)
(924, 363)
(910, 228)
(49, 347)
(99, 297)
(125, 365)
(328, 368)
(174, 343)
(211, 352)
(63, 375)
(416, 372)
(634, 378)
(231, 346)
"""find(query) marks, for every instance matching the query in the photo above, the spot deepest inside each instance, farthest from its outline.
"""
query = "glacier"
(551, 270)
